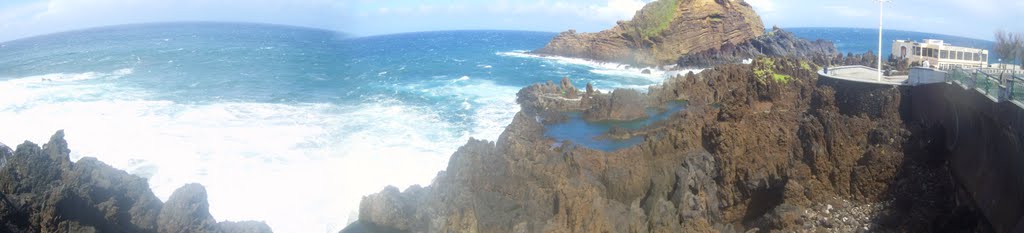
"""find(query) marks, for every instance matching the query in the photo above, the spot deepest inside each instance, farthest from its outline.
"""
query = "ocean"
(283, 124)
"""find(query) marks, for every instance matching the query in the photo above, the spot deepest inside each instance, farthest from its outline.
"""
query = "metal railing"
(1016, 85)
(1000, 87)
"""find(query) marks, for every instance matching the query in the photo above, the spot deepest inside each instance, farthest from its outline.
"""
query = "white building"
(939, 55)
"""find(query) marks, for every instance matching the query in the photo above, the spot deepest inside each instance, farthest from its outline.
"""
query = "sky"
(24, 18)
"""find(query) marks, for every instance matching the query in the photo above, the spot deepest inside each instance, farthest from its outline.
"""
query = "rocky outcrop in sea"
(662, 31)
(41, 190)
(765, 147)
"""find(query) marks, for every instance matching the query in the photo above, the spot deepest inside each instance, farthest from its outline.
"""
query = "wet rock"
(645, 71)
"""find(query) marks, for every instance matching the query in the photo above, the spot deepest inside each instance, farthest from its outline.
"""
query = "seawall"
(985, 144)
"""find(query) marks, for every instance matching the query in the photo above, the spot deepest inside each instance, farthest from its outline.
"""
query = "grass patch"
(654, 18)
(782, 78)
(766, 68)
(806, 66)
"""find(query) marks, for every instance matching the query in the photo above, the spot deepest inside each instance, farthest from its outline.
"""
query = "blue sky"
(22, 18)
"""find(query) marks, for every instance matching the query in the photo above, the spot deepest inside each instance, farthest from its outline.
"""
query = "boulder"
(187, 211)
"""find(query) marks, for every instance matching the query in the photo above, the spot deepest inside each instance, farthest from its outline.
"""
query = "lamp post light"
(880, 3)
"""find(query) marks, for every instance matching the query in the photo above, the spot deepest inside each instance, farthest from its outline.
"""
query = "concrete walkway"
(863, 74)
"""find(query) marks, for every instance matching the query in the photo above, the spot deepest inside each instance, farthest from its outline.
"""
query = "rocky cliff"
(775, 43)
(766, 147)
(41, 190)
(662, 31)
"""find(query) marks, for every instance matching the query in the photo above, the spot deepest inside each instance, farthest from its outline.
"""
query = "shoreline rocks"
(750, 153)
(41, 190)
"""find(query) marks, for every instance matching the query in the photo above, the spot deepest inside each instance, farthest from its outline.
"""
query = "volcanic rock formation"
(776, 43)
(41, 190)
(761, 147)
(662, 31)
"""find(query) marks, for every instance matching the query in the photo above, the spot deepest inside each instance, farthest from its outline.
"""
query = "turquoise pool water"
(588, 134)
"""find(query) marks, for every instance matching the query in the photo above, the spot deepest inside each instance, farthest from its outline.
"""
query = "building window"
(959, 55)
(977, 57)
(903, 51)
(984, 57)
(944, 54)
(917, 51)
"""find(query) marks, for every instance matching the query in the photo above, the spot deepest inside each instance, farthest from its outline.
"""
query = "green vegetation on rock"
(654, 18)
(765, 68)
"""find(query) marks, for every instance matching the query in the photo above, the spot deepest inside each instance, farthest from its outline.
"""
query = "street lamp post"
(880, 3)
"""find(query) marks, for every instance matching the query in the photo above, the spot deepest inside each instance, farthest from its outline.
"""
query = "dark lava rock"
(41, 190)
(621, 105)
(645, 71)
(777, 43)
(762, 161)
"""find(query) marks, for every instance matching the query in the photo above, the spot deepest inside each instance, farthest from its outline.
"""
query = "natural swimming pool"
(589, 134)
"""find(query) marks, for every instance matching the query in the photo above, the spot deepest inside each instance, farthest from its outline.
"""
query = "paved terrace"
(863, 74)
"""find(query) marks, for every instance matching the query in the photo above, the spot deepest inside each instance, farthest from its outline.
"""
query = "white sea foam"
(68, 77)
(657, 75)
(300, 167)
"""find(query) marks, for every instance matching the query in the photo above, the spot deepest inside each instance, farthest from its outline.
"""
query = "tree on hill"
(1010, 47)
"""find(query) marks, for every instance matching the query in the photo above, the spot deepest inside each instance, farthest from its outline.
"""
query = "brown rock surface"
(662, 31)
(749, 154)
(620, 105)
(41, 190)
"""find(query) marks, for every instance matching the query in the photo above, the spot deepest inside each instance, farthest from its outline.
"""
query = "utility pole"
(880, 3)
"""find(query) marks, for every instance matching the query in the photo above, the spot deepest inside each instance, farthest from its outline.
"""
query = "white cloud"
(762, 6)
(615, 10)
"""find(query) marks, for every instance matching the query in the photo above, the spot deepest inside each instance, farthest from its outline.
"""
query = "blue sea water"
(265, 112)
(285, 124)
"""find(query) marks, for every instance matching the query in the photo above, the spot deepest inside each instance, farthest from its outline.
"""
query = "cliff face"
(760, 147)
(662, 31)
(776, 43)
(41, 190)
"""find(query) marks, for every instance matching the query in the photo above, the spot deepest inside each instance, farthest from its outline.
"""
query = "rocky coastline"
(765, 147)
(662, 31)
(42, 190)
